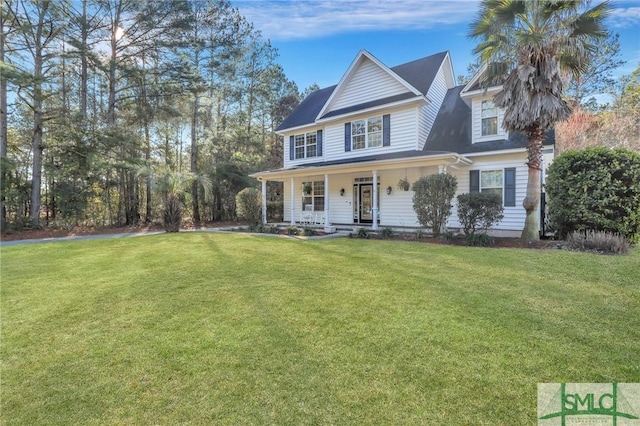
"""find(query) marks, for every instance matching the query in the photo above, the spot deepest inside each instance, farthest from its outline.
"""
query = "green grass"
(235, 329)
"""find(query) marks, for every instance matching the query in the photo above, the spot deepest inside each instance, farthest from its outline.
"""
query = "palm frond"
(506, 11)
(590, 23)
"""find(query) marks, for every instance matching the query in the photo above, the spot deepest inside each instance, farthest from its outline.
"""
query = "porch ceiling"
(449, 159)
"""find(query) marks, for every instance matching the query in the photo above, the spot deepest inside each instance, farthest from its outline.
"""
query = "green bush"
(597, 242)
(362, 233)
(309, 232)
(172, 214)
(479, 211)
(387, 232)
(249, 205)
(292, 230)
(595, 189)
(432, 200)
(478, 240)
(275, 210)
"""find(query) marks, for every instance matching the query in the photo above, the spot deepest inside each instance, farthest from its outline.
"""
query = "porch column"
(293, 203)
(264, 202)
(374, 226)
(326, 201)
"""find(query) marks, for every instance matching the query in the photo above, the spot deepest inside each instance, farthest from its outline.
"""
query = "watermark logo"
(610, 404)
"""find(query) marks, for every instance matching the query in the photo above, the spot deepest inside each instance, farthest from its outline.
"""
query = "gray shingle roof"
(419, 73)
(308, 110)
(451, 130)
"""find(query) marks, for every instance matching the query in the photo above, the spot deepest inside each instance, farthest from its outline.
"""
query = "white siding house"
(346, 147)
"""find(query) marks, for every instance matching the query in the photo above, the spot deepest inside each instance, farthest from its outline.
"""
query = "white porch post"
(326, 201)
(293, 203)
(375, 200)
(264, 202)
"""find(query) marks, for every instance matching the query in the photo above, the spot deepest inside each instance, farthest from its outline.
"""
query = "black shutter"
(319, 142)
(510, 187)
(347, 137)
(291, 148)
(386, 130)
(474, 181)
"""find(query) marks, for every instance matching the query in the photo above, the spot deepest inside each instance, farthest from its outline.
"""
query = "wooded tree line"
(103, 102)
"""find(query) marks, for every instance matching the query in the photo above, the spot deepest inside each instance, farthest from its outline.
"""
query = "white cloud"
(286, 19)
(625, 17)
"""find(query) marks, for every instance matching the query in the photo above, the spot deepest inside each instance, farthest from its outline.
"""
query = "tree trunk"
(194, 160)
(147, 155)
(84, 75)
(3, 127)
(36, 145)
(535, 137)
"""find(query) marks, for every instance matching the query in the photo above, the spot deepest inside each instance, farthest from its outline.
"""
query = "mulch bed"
(499, 242)
(30, 234)
(83, 230)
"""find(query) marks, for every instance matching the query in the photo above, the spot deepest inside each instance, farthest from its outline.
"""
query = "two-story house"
(348, 147)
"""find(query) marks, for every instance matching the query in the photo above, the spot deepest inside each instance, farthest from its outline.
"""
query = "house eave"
(363, 54)
(481, 92)
(417, 99)
(447, 159)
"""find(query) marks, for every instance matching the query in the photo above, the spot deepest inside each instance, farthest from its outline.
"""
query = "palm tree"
(528, 44)
(173, 187)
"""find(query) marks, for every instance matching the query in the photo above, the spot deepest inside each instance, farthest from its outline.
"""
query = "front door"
(363, 202)
(366, 203)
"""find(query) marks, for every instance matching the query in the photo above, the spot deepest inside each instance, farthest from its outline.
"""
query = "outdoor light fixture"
(341, 192)
(388, 190)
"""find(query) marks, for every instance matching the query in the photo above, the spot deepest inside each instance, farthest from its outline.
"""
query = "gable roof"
(418, 74)
(306, 112)
(451, 130)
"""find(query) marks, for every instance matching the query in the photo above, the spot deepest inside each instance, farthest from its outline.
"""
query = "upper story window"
(489, 116)
(366, 133)
(306, 145)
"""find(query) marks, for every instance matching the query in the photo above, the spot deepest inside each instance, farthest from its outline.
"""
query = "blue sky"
(318, 39)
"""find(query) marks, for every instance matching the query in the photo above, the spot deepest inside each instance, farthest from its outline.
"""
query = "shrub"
(273, 229)
(362, 233)
(419, 234)
(172, 214)
(432, 200)
(309, 232)
(479, 211)
(597, 242)
(478, 240)
(249, 205)
(447, 236)
(387, 232)
(595, 189)
(292, 230)
(275, 210)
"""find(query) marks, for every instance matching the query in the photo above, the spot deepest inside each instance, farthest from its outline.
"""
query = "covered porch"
(363, 193)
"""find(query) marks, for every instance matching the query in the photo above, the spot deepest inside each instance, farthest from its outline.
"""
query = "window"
(299, 146)
(491, 181)
(306, 145)
(501, 182)
(315, 197)
(366, 133)
(489, 116)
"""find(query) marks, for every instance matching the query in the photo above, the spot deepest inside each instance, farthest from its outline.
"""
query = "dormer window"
(489, 118)
(366, 133)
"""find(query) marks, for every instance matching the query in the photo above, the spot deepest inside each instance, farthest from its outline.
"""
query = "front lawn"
(237, 329)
